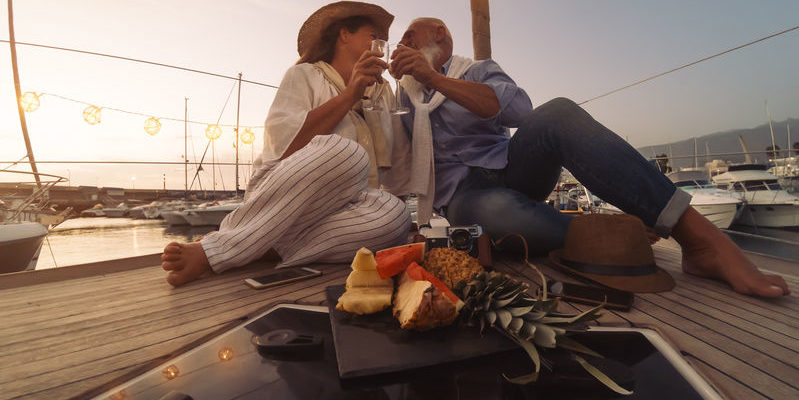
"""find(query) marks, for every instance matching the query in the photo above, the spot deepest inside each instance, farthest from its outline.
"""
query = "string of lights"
(92, 114)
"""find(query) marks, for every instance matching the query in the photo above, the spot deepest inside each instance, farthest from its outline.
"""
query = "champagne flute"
(398, 108)
(370, 102)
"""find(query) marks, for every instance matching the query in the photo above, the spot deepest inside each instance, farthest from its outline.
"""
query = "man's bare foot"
(708, 252)
(185, 262)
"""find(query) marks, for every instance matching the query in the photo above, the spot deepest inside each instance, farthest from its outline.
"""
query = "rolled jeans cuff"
(679, 202)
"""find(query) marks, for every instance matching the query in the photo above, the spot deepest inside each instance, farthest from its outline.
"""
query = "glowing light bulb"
(152, 126)
(171, 372)
(29, 101)
(91, 114)
(247, 137)
(213, 132)
(225, 354)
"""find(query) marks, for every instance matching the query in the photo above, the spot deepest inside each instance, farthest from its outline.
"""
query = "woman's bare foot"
(185, 262)
(708, 252)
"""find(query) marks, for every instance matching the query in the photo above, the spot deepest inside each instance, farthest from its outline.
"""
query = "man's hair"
(325, 48)
(434, 23)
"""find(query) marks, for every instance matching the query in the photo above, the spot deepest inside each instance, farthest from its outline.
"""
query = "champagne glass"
(398, 108)
(370, 102)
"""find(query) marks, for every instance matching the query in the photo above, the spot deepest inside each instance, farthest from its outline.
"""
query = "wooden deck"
(66, 332)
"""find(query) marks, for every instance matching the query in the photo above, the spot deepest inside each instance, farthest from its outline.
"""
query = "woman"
(308, 198)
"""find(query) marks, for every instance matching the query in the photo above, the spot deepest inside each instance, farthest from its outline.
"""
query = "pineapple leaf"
(502, 302)
(534, 315)
(516, 325)
(545, 336)
(504, 318)
(600, 376)
(519, 311)
(522, 379)
(573, 345)
(490, 317)
(527, 331)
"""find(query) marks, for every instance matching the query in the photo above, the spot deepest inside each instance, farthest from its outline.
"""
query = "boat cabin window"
(770, 184)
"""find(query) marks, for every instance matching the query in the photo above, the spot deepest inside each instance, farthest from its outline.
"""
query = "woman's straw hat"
(612, 250)
(313, 28)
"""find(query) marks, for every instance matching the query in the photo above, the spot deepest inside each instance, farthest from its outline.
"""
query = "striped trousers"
(313, 206)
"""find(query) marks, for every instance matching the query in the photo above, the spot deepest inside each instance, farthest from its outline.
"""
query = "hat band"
(608, 269)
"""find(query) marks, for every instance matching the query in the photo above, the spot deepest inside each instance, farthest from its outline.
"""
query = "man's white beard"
(431, 52)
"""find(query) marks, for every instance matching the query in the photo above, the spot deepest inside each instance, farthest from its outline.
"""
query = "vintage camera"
(463, 238)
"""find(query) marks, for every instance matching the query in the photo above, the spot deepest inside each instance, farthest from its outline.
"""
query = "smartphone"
(282, 277)
(593, 295)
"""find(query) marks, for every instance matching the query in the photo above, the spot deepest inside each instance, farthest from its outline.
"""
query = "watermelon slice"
(394, 260)
(418, 273)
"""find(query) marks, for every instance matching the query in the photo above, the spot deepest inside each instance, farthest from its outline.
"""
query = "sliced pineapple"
(364, 260)
(367, 279)
(365, 300)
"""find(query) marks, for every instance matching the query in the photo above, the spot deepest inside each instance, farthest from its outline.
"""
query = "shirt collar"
(445, 67)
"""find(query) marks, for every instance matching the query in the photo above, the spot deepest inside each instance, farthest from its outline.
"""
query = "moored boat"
(717, 205)
(766, 203)
(211, 215)
(19, 245)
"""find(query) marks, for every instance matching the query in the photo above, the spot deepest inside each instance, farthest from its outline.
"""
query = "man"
(462, 111)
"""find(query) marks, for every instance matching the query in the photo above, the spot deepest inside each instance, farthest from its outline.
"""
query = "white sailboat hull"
(720, 215)
(19, 245)
(209, 216)
(174, 218)
(770, 215)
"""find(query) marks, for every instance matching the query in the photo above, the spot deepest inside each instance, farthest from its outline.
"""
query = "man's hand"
(406, 60)
(366, 72)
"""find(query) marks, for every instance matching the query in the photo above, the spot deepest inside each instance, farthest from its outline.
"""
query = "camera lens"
(460, 239)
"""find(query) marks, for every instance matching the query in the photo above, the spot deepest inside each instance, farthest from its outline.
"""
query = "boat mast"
(747, 157)
(23, 123)
(481, 30)
(771, 129)
(185, 148)
(238, 107)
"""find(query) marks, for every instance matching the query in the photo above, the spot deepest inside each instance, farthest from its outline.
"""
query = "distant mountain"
(756, 139)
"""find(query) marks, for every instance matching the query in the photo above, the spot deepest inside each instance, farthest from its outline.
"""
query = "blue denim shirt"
(461, 139)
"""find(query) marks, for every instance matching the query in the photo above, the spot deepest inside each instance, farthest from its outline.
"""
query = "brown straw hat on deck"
(313, 28)
(612, 250)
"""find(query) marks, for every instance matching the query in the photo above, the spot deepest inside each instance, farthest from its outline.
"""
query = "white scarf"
(423, 180)
(373, 142)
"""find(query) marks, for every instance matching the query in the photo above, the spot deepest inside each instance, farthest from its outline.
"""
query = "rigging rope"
(137, 60)
(689, 64)
(209, 140)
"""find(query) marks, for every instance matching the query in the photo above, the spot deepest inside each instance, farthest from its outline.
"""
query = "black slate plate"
(375, 344)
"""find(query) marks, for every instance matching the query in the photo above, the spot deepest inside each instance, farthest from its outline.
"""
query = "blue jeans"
(561, 134)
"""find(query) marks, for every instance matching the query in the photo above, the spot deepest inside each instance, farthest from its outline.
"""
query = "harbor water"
(85, 240)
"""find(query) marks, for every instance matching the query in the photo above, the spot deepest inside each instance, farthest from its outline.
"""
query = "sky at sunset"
(572, 48)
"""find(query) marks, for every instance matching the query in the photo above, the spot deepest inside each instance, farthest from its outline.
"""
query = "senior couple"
(331, 175)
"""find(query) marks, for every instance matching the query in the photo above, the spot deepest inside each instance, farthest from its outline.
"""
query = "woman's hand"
(366, 72)
(406, 60)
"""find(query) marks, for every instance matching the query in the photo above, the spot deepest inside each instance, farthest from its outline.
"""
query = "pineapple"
(450, 265)
(499, 301)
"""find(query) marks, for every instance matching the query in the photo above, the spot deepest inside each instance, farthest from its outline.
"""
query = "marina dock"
(76, 331)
